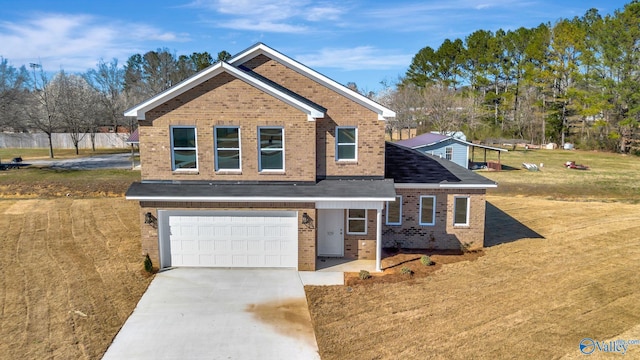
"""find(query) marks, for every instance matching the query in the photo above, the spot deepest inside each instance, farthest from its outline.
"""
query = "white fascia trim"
(140, 110)
(444, 186)
(262, 49)
(250, 199)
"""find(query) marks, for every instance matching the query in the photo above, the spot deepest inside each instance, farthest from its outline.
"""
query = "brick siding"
(341, 111)
(227, 101)
(443, 235)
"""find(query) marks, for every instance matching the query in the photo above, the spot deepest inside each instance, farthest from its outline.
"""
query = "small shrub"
(465, 247)
(364, 275)
(406, 271)
(148, 265)
(426, 260)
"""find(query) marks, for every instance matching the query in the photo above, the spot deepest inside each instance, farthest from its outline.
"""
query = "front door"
(330, 232)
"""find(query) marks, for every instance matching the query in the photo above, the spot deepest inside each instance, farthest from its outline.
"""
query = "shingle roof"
(134, 138)
(409, 166)
(422, 140)
(353, 190)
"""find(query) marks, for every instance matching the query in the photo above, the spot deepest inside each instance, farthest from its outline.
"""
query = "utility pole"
(35, 82)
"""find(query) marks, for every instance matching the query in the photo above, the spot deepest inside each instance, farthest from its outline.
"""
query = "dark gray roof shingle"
(336, 189)
(405, 165)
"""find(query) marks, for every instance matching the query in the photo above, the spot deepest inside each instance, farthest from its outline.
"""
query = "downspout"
(379, 240)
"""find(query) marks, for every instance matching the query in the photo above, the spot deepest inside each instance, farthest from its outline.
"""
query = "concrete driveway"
(197, 313)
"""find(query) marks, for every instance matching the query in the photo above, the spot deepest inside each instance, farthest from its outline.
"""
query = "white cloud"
(262, 26)
(358, 58)
(74, 42)
(444, 14)
(279, 16)
(324, 13)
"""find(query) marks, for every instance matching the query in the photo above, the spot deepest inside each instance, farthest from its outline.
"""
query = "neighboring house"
(260, 161)
(452, 146)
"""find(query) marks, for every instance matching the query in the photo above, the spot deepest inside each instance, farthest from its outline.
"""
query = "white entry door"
(231, 239)
(331, 232)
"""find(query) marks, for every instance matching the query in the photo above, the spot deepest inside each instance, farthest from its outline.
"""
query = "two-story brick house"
(261, 161)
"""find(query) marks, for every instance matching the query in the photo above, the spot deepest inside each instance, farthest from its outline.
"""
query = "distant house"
(452, 147)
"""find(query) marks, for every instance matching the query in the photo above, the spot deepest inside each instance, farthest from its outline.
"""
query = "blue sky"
(359, 41)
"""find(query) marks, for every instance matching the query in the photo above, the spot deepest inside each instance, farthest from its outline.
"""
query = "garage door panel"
(206, 246)
(219, 245)
(251, 239)
(239, 245)
(254, 246)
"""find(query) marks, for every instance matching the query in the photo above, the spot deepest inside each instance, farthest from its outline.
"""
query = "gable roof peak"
(313, 111)
(262, 49)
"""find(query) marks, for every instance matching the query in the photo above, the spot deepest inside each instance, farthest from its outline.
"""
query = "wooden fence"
(62, 140)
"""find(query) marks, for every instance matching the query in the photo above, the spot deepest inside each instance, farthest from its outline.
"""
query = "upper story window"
(227, 147)
(346, 143)
(271, 148)
(448, 152)
(184, 150)
(357, 221)
(427, 210)
(394, 211)
(461, 210)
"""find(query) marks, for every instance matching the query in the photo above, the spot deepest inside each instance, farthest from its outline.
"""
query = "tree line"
(80, 104)
(574, 80)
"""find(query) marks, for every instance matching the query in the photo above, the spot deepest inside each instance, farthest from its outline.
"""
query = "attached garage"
(228, 238)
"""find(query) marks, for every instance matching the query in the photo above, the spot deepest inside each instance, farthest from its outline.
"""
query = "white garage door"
(233, 239)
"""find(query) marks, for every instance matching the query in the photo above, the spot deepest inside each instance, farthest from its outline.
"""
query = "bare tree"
(406, 101)
(444, 110)
(75, 104)
(108, 82)
(42, 110)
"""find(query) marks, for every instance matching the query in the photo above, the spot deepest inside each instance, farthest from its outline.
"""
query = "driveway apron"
(198, 313)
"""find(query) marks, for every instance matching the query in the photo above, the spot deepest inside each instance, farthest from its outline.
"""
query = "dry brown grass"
(564, 271)
(71, 275)
(612, 177)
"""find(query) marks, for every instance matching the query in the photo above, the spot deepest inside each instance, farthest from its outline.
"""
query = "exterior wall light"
(151, 220)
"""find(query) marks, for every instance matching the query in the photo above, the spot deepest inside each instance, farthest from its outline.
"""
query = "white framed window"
(184, 148)
(227, 148)
(394, 211)
(427, 210)
(461, 210)
(271, 149)
(356, 221)
(448, 153)
(346, 143)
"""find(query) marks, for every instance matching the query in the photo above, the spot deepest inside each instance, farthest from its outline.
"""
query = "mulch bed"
(394, 261)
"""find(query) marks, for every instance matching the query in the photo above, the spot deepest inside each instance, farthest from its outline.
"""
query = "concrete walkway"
(194, 313)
